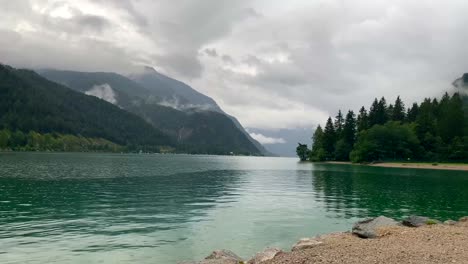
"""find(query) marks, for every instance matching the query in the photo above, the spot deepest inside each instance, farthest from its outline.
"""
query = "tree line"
(434, 130)
(33, 141)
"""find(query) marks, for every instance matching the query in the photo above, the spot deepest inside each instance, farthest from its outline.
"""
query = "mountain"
(179, 95)
(461, 82)
(194, 121)
(29, 102)
(174, 92)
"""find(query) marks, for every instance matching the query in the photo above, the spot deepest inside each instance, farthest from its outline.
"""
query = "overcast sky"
(272, 64)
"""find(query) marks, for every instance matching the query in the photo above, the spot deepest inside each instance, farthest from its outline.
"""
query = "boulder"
(265, 255)
(369, 228)
(306, 243)
(222, 257)
(417, 221)
(463, 219)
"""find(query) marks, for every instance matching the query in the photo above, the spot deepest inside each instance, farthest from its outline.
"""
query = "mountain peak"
(149, 69)
(461, 82)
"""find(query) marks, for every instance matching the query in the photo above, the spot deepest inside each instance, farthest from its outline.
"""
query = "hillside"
(197, 125)
(29, 102)
(172, 91)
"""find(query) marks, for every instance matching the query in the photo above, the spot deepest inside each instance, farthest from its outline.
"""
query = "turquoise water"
(109, 208)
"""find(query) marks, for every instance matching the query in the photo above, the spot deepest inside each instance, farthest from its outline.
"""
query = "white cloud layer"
(272, 64)
(267, 140)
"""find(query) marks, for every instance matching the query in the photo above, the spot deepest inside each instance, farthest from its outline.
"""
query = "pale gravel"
(423, 245)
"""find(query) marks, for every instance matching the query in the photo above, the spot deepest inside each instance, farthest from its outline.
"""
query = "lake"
(128, 208)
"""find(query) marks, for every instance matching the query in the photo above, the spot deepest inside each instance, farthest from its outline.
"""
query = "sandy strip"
(439, 166)
(428, 244)
(460, 167)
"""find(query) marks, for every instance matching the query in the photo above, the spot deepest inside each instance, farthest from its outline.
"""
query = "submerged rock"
(368, 228)
(265, 255)
(306, 243)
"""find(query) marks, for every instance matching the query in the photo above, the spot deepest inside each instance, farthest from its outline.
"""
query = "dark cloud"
(78, 24)
(227, 59)
(186, 65)
(211, 52)
(273, 64)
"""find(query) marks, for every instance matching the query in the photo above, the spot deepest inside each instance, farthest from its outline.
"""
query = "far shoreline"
(410, 165)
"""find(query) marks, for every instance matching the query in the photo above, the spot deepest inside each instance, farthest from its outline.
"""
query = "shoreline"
(416, 239)
(409, 165)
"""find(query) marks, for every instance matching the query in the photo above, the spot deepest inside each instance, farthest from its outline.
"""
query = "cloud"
(211, 52)
(272, 64)
(267, 140)
(104, 92)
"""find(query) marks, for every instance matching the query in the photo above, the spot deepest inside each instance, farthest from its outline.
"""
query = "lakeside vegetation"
(33, 141)
(432, 131)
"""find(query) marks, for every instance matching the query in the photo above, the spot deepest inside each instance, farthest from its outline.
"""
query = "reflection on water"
(101, 208)
(356, 191)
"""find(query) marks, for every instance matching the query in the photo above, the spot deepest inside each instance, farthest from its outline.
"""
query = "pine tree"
(425, 121)
(317, 153)
(382, 116)
(412, 113)
(317, 139)
(329, 139)
(398, 113)
(339, 123)
(373, 116)
(362, 120)
(390, 112)
(349, 129)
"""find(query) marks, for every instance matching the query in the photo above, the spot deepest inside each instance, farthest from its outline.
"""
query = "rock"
(306, 243)
(220, 261)
(265, 255)
(222, 257)
(218, 257)
(450, 222)
(463, 219)
(417, 221)
(368, 228)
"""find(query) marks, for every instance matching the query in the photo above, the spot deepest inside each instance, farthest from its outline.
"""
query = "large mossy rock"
(417, 221)
(369, 228)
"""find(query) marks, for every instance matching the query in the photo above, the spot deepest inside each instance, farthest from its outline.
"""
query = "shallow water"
(109, 208)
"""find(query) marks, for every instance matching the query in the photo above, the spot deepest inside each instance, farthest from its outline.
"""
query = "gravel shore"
(428, 244)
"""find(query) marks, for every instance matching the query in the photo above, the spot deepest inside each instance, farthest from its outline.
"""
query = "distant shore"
(410, 165)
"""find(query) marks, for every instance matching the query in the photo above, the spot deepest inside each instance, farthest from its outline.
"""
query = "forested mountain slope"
(196, 126)
(29, 102)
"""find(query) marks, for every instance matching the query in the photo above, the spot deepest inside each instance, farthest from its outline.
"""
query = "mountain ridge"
(177, 120)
